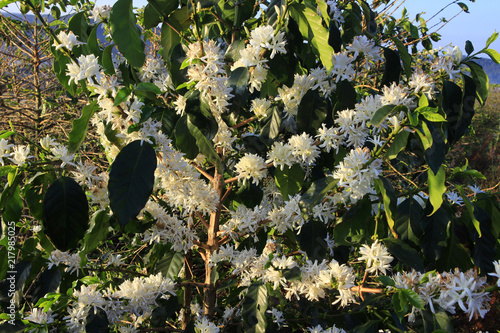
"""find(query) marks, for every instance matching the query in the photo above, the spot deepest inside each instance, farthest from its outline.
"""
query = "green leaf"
(271, 124)
(164, 7)
(14, 205)
(385, 188)
(78, 25)
(405, 253)
(5, 3)
(289, 180)
(463, 6)
(126, 34)
(80, 126)
(400, 304)
(437, 187)
(250, 195)
(413, 298)
(381, 114)
(317, 191)
(65, 213)
(493, 54)
(254, 308)
(404, 55)
(409, 223)
(93, 42)
(151, 17)
(170, 264)
(122, 96)
(312, 29)
(480, 79)
(98, 231)
(107, 60)
(398, 144)
(97, 321)
(131, 180)
(431, 114)
(312, 239)
(148, 87)
(433, 241)
(312, 112)
(469, 48)
(385, 280)
(392, 68)
(436, 153)
(169, 38)
(491, 39)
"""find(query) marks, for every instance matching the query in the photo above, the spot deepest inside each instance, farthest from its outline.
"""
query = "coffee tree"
(275, 166)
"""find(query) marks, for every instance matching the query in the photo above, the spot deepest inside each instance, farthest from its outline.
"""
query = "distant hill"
(492, 69)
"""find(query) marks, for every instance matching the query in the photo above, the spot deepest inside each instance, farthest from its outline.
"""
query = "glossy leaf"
(398, 144)
(318, 190)
(404, 55)
(254, 308)
(493, 54)
(312, 112)
(437, 188)
(381, 114)
(107, 60)
(98, 231)
(469, 48)
(65, 213)
(170, 264)
(125, 33)
(271, 124)
(80, 127)
(491, 39)
(131, 180)
(405, 253)
(385, 188)
(312, 29)
(480, 79)
(289, 180)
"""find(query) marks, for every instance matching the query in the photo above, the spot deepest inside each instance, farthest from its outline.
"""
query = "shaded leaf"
(405, 253)
(65, 213)
(317, 191)
(170, 264)
(125, 33)
(80, 126)
(289, 180)
(437, 188)
(254, 308)
(131, 180)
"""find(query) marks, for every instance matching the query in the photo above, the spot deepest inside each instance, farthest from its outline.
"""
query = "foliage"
(271, 165)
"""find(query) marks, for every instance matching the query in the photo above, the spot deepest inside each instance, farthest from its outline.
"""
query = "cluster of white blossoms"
(40, 316)
(262, 39)
(300, 149)
(156, 72)
(72, 261)
(377, 258)
(319, 329)
(362, 45)
(133, 300)
(251, 166)
(168, 229)
(206, 70)
(100, 13)
(66, 40)
(87, 68)
(356, 174)
(449, 290)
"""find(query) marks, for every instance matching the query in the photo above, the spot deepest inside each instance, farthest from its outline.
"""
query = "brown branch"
(243, 123)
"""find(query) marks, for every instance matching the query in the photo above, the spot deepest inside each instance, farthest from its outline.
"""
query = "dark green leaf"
(312, 239)
(317, 191)
(80, 126)
(13, 206)
(312, 29)
(463, 6)
(469, 48)
(271, 124)
(250, 195)
(122, 96)
(148, 87)
(433, 241)
(151, 17)
(126, 34)
(289, 180)
(436, 153)
(405, 56)
(107, 60)
(409, 223)
(93, 43)
(78, 25)
(385, 188)
(392, 68)
(254, 308)
(346, 96)
(98, 231)
(334, 37)
(398, 144)
(312, 112)
(48, 282)
(169, 38)
(97, 321)
(65, 213)
(405, 253)
(170, 264)
(413, 298)
(131, 180)
(381, 114)
(481, 81)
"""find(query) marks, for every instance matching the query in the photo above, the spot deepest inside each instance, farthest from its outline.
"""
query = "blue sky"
(476, 26)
